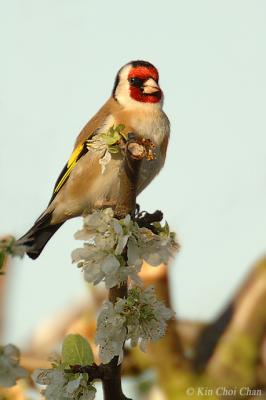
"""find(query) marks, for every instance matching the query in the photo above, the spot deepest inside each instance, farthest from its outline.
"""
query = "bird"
(136, 105)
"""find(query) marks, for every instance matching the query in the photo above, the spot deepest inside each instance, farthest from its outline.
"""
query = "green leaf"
(166, 228)
(76, 350)
(145, 386)
(163, 231)
(158, 227)
(120, 128)
(111, 139)
(113, 149)
(9, 247)
(124, 135)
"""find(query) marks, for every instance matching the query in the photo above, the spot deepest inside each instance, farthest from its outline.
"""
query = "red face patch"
(137, 76)
(144, 73)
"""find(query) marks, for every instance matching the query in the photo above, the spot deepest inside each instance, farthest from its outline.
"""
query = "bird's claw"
(140, 148)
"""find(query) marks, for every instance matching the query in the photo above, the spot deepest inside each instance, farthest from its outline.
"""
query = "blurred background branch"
(229, 352)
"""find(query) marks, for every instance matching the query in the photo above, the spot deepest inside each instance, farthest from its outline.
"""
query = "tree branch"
(135, 151)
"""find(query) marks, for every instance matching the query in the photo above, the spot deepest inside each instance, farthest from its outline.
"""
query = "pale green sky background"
(58, 62)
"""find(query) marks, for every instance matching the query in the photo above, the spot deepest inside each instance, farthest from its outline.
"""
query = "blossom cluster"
(107, 143)
(61, 385)
(139, 318)
(115, 249)
(60, 382)
(10, 370)
(8, 246)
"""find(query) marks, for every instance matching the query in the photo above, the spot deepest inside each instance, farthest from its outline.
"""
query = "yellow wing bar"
(70, 165)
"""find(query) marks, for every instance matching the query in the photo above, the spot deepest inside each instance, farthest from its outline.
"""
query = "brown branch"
(129, 174)
(134, 153)
(238, 351)
(111, 377)
(167, 354)
(210, 336)
(245, 309)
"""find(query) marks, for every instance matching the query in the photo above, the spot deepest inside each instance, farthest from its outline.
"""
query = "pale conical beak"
(150, 86)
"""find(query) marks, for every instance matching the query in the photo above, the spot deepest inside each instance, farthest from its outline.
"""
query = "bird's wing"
(80, 148)
(77, 153)
(110, 107)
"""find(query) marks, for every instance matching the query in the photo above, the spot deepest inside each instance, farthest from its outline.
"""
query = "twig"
(135, 151)
(111, 372)
(126, 204)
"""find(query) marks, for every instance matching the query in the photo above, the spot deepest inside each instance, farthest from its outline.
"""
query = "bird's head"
(137, 84)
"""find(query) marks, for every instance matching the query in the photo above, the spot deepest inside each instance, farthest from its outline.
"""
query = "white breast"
(153, 125)
(150, 123)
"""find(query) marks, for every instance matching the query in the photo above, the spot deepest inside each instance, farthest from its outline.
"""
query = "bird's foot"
(140, 148)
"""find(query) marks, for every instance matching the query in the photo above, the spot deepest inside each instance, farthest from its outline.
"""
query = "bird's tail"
(36, 238)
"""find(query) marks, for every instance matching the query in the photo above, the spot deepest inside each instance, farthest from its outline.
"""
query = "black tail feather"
(36, 238)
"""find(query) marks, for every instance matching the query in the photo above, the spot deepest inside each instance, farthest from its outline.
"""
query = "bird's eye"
(136, 82)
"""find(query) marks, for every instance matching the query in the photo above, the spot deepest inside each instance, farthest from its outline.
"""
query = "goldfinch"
(90, 179)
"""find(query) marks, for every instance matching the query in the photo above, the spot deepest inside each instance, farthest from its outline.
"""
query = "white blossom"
(62, 386)
(105, 160)
(146, 245)
(60, 382)
(139, 318)
(8, 245)
(10, 369)
(103, 256)
(97, 144)
(111, 333)
(106, 143)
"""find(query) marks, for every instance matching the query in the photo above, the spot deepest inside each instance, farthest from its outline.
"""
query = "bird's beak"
(150, 86)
